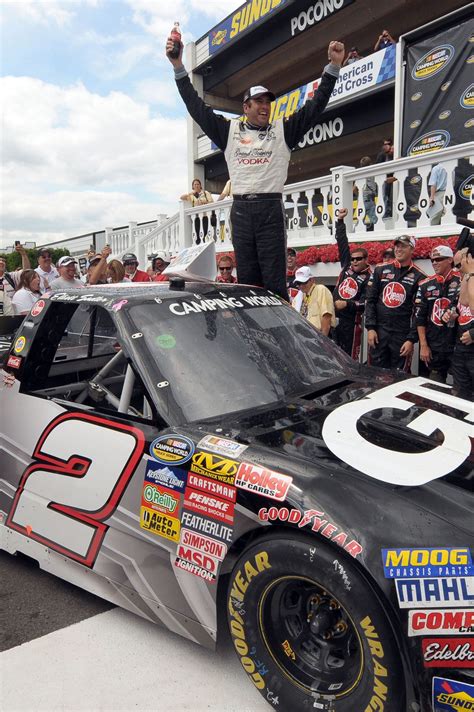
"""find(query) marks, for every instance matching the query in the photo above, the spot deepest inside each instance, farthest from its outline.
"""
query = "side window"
(77, 357)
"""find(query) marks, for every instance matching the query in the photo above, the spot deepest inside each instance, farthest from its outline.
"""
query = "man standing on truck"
(257, 154)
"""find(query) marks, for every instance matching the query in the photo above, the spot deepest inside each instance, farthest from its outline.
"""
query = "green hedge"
(13, 259)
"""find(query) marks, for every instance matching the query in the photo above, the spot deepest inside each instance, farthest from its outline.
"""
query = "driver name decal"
(206, 305)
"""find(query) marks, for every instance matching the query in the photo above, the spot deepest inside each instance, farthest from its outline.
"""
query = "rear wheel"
(309, 631)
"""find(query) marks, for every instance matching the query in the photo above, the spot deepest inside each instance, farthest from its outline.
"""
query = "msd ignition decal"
(451, 442)
(452, 695)
(221, 446)
(429, 143)
(318, 524)
(261, 481)
(82, 466)
(467, 98)
(421, 563)
(394, 295)
(174, 479)
(348, 288)
(196, 562)
(448, 652)
(433, 62)
(431, 592)
(214, 466)
(172, 449)
(441, 622)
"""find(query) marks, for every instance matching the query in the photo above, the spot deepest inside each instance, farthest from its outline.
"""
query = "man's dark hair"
(360, 250)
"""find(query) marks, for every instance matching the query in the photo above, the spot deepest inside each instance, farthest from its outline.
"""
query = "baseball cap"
(129, 257)
(303, 274)
(255, 92)
(291, 251)
(406, 240)
(94, 258)
(442, 251)
(43, 251)
(160, 256)
(66, 260)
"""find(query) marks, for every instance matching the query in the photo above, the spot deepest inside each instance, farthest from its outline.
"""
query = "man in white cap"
(436, 296)
(315, 302)
(67, 275)
(257, 152)
(390, 299)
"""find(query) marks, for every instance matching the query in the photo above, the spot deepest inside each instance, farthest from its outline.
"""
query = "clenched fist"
(336, 52)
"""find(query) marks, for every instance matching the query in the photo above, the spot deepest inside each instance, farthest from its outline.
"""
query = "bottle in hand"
(175, 35)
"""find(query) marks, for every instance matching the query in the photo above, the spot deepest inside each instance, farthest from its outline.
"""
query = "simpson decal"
(172, 449)
(435, 592)
(203, 543)
(261, 481)
(448, 652)
(433, 62)
(421, 563)
(452, 695)
(449, 621)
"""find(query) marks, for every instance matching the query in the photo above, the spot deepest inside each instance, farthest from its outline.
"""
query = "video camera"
(466, 238)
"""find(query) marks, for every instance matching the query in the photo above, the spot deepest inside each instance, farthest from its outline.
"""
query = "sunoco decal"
(172, 449)
(467, 98)
(429, 143)
(433, 62)
(452, 695)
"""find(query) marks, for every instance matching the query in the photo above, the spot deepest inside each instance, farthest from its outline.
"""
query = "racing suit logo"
(465, 315)
(439, 307)
(394, 295)
(348, 288)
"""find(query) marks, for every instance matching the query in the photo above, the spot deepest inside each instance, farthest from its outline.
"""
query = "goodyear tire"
(309, 632)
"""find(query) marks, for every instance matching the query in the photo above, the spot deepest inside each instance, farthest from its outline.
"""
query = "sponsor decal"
(433, 62)
(446, 85)
(447, 621)
(236, 603)
(467, 98)
(207, 526)
(221, 446)
(470, 59)
(261, 481)
(197, 563)
(394, 295)
(469, 123)
(14, 361)
(452, 695)
(380, 689)
(252, 13)
(429, 563)
(444, 115)
(415, 124)
(208, 305)
(203, 543)
(20, 344)
(416, 96)
(448, 652)
(172, 449)
(439, 307)
(117, 306)
(208, 505)
(318, 524)
(315, 13)
(65, 297)
(173, 479)
(465, 189)
(348, 288)
(429, 143)
(37, 308)
(159, 498)
(221, 489)
(214, 466)
(465, 314)
(430, 592)
(218, 38)
(160, 524)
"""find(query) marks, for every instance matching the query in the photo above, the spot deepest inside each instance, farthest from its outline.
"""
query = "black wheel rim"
(310, 636)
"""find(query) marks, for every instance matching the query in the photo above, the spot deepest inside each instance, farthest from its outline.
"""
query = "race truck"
(184, 449)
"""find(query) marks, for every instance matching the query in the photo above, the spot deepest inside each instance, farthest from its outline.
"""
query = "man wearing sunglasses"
(225, 267)
(436, 297)
(349, 293)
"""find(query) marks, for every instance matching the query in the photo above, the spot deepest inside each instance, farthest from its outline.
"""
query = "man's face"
(441, 265)
(3, 266)
(403, 252)
(257, 110)
(225, 271)
(306, 286)
(130, 267)
(68, 271)
(387, 145)
(44, 261)
(159, 265)
(291, 261)
(358, 261)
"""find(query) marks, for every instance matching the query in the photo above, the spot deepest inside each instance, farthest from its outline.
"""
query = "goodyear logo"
(467, 98)
(213, 466)
(465, 189)
(429, 143)
(433, 62)
(242, 19)
(421, 563)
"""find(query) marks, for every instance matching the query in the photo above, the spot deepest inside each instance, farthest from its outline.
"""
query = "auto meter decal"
(467, 98)
(420, 563)
(174, 479)
(431, 592)
(448, 652)
(261, 481)
(429, 143)
(452, 695)
(38, 307)
(446, 621)
(20, 344)
(159, 524)
(394, 295)
(348, 288)
(439, 307)
(433, 62)
(172, 449)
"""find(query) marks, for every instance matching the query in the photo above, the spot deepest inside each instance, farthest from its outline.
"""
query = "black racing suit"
(350, 287)
(389, 306)
(258, 220)
(463, 357)
(435, 296)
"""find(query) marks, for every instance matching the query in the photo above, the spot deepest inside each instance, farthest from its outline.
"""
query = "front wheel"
(309, 632)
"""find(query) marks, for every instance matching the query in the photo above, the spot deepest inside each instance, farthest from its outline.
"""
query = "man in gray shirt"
(67, 275)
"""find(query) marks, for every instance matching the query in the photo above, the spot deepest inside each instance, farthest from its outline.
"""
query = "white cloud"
(157, 92)
(158, 18)
(43, 12)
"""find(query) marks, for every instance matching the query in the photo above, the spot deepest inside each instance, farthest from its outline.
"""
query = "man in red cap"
(258, 152)
(437, 295)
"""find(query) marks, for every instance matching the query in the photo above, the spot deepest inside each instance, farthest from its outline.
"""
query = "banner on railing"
(439, 92)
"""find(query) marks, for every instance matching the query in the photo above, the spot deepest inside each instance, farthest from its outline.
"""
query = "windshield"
(232, 359)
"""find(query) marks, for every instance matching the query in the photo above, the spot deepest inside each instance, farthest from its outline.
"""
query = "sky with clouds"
(93, 128)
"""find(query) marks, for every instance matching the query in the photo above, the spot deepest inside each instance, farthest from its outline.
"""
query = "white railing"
(309, 208)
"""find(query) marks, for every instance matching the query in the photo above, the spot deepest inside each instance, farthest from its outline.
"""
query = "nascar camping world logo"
(466, 187)
(429, 143)
(467, 98)
(433, 62)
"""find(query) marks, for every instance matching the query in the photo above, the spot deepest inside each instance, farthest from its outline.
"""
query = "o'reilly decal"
(466, 187)
(433, 62)
(467, 98)
(429, 143)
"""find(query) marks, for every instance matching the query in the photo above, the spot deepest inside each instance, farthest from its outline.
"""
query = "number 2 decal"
(63, 498)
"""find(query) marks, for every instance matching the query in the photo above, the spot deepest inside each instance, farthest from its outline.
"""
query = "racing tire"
(309, 631)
